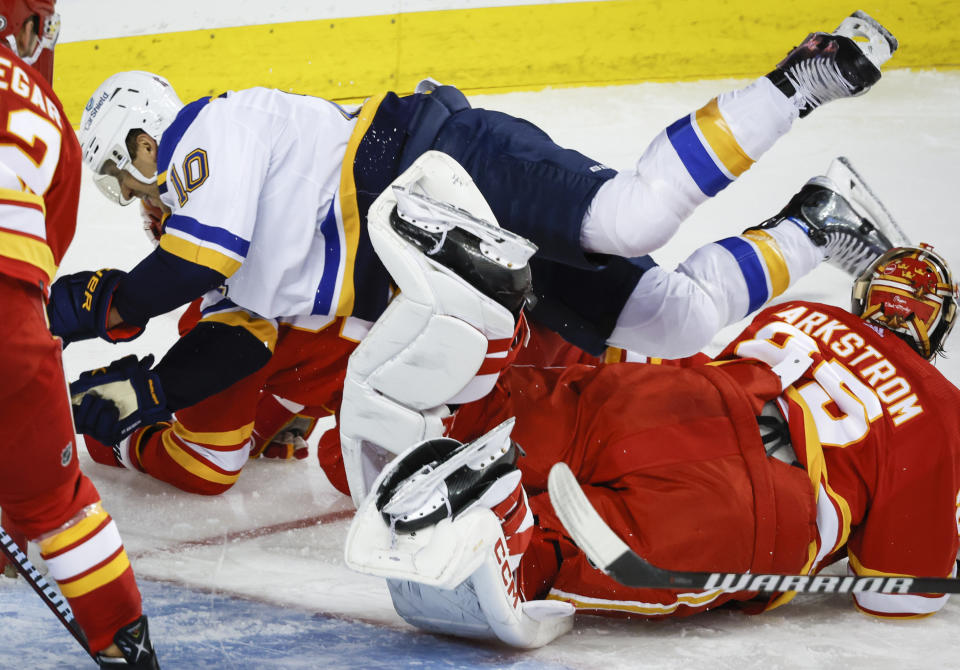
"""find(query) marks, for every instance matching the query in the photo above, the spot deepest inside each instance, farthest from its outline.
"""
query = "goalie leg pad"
(442, 340)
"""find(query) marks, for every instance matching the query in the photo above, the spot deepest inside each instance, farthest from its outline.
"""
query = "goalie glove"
(110, 403)
(80, 306)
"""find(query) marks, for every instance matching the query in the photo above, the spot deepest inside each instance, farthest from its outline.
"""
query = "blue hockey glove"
(110, 403)
(80, 305)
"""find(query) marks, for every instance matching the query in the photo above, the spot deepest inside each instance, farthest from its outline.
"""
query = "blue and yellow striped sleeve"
(215, 248)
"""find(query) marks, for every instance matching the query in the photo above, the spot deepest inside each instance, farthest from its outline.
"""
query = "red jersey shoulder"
(46, 158)
(907, 386)
(22, 87)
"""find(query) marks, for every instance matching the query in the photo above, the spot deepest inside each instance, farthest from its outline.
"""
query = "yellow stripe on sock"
(94, 516)
(97, 578)
(720, 137)
(192, 465)
(773, 258)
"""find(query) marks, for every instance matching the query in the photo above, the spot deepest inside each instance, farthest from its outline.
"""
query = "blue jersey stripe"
(752, 268)
(220, 306)
(695, 157)
(323, 302)
(212, 234)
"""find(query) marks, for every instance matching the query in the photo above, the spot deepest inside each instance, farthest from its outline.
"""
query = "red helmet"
(910, 291)
(14, 13)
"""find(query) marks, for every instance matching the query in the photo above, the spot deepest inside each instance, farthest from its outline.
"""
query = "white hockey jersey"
(260, 184)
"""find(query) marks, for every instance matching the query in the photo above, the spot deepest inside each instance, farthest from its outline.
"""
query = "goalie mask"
(126, 101)
(910, 291)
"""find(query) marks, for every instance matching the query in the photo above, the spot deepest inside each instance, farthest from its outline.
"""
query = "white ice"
(261, 541)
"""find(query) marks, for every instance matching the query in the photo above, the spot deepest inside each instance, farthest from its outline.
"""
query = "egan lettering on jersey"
(894, 392)
(15, 79)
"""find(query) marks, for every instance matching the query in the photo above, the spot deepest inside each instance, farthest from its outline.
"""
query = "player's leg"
(206, 447)
(834, 217)
(703, 152)
(455, 323)
(41, 487)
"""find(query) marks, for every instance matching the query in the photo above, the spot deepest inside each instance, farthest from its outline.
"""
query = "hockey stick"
(611, 555)
(50, 596)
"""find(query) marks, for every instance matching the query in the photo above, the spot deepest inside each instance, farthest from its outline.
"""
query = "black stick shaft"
(632, 570)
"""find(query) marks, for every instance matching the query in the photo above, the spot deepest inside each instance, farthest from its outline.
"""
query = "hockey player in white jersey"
(267, 193)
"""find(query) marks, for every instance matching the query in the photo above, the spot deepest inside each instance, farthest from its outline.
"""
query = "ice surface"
(255, 578)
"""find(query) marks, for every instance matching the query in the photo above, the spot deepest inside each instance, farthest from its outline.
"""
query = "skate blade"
(876, 42)
(861, 197)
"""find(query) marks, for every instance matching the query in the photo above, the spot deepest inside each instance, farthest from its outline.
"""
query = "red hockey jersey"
(39, 174)
(878, 429)
(671, 458)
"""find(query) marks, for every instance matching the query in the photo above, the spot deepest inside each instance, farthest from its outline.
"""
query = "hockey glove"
(80, 306)
(110, 403)
(281, 428)
(286, 446)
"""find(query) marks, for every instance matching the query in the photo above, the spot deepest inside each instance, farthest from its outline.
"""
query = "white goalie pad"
(453, 577)
(440, 339)
(428, 349)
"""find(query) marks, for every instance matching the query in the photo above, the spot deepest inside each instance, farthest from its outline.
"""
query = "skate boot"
(828, 66)
(134, 642)
(442, 477)
(843, 217)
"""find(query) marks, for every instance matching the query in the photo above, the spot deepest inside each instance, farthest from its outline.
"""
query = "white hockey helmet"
(124, 102)
(910, 291)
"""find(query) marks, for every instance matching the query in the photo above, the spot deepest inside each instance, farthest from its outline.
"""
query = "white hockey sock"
(693, 159)
(743, 273)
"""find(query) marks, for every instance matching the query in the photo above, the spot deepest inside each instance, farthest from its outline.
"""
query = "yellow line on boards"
(500, 49)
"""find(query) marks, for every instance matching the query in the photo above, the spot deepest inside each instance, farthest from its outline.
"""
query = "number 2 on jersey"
(843, 407)
(36, 162)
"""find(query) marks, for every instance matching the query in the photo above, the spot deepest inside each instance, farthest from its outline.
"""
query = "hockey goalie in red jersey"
(816, 435)
(44, 496)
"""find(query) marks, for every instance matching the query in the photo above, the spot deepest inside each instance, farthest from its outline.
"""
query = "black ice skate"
(440, 478)
(842, 216)
(828, 66)
(134, 642)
